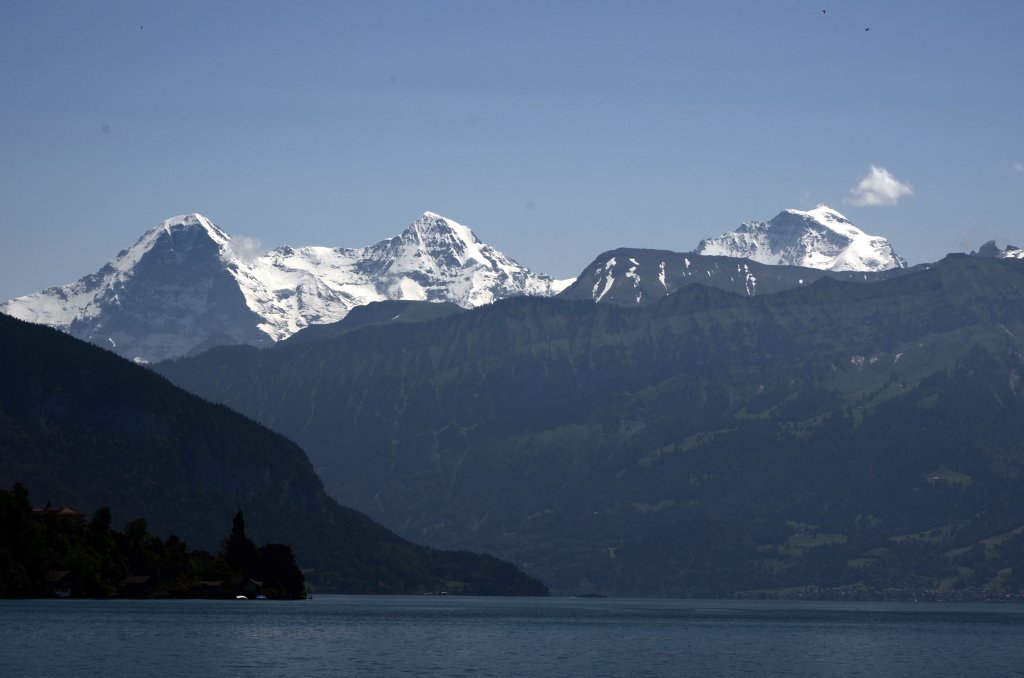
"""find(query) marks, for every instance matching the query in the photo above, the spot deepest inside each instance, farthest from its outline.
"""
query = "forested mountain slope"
(838, 434)
(81, 427)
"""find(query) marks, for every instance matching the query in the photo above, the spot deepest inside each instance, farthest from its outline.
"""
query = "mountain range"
(639, 277)
(186, 286)
(792, 250)
(835, 435)
(789, 407)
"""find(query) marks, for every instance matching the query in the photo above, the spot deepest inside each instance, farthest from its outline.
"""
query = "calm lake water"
(449, 636)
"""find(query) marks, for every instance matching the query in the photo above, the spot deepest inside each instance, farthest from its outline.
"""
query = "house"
(58, 512)
(209, 589)
(249, 588)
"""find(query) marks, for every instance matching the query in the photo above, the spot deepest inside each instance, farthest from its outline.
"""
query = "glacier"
(181, 288)
(821, 238)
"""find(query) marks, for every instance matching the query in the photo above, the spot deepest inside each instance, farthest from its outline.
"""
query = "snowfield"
(821, 238)
(182, 286)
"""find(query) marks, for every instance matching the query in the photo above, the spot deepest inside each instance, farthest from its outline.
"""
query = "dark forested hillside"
(82, 427)
(864, 436)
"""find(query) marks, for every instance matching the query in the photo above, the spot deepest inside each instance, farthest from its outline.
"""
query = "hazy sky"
(556, 130)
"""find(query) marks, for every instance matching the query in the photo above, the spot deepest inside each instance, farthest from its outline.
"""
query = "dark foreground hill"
(836, 435)
(82, 427)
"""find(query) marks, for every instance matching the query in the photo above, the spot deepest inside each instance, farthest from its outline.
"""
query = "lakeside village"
(54, 551)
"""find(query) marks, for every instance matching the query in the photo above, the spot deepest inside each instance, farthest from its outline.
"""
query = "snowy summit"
(821, 238)
(434, 259)
(183, 288)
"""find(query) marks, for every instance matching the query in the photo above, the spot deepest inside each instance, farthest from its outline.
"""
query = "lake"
(453, 636)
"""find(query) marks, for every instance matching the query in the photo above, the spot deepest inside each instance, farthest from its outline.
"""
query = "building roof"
(60, 511)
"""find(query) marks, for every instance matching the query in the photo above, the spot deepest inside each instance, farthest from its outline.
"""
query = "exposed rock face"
(820, 238)
(182, 288)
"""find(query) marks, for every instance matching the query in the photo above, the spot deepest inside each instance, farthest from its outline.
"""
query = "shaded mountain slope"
(837, 434)
(82, 427)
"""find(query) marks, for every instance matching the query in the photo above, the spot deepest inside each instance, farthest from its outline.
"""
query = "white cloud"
(878, 188)
(1019, 166)
(245, 248)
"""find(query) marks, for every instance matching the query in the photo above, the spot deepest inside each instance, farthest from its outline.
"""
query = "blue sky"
(557, 130)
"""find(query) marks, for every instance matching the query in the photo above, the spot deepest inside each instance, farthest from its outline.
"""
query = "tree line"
(46, 552)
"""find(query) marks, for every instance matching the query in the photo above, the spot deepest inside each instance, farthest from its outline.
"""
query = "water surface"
(453, 636)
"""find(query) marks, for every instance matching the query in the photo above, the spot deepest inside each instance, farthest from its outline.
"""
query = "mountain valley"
(790, 407)
(837, 434)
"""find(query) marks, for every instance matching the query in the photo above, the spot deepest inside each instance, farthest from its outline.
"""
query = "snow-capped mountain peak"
(435, 236)
(194, 223)
(430, 223)
(181, 287)
(181, 230)
(830, 218)
(819, 238)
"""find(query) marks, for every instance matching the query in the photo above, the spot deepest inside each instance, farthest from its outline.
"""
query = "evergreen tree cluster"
(42, 550)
